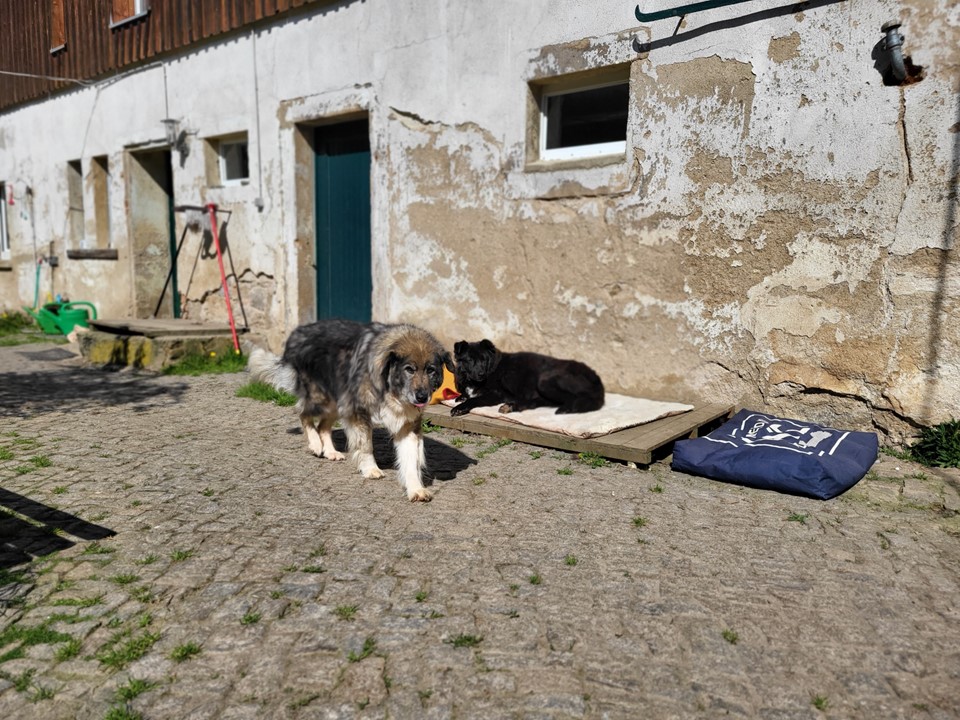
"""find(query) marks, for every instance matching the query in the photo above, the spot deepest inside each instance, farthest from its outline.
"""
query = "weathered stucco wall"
(780, 233)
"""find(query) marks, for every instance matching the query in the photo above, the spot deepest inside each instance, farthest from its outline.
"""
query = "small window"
(5, 192)
(75, 217)
(123, 10)
(58, 26)
(584, 122)
(100, 176)
(234, 161)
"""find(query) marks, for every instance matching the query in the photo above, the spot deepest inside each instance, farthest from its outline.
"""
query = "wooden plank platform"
(162, 327)
(640, 444)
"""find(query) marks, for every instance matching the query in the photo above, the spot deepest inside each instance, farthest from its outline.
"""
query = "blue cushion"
(774, 453)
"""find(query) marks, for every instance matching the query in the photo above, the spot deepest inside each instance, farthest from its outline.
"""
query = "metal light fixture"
(172, 128)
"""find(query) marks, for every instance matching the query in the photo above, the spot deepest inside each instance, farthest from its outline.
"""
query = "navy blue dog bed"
(774, 453)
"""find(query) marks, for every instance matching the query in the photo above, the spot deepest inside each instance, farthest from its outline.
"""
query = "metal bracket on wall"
(681, 10)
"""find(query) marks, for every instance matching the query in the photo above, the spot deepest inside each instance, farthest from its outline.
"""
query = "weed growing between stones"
(938, 446)
(266, 393)
(592, 459)
(186, 651)
(18, 639)
(123, 649)
(730, 636)
(209, 364)
(489, 449)
(798, 517)
(462, 640)
(345, 612)
(369, 645)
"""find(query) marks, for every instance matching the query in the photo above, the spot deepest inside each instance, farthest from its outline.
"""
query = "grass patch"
(69, 650)
(117, 655)
(266, 393)
(125, 578)
(820, 702)
(592, 459)
(12, 323)
(122, 712)
(78, 602)
(639, 521)
(730, 636)
(465, 640)
(134, 688)
(6, 453)
(798, 517)
(209, 364)
(938, 446)
(369, 645)
(180, 555)
(535, 579)
(421, 596)
(96, 548)
(250, 618)
(184, 652)
(345, 612)
(17, 328)
(571, 560)
(22, 638)
(564, 471)
(489, 449)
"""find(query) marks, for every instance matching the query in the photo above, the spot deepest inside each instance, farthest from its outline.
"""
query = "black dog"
(522, 381)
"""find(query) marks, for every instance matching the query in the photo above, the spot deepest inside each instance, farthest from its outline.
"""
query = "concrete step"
(115, 350)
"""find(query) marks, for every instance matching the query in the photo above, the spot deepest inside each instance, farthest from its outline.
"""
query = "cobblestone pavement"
(171, 550)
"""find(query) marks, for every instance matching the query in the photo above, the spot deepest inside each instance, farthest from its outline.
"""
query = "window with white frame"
(4, 237)
(583, 120)
(234, 161)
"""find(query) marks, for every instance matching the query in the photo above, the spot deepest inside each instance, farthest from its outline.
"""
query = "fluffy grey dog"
(366, 375)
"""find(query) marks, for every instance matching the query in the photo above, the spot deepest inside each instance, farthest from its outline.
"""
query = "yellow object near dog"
(447, 389)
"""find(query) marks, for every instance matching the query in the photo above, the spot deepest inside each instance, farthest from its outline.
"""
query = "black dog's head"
(474, 363)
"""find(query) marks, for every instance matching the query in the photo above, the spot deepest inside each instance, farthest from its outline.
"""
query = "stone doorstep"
(144, 352)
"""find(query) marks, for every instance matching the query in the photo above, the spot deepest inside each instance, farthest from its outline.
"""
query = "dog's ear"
(388, 363)
(447, 361)
(459, 347)
(489, 356)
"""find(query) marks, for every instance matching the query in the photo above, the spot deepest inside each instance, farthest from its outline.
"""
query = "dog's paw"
(334, 455)
(420, 495)
(506, 408)
(458, 410)
(369, 469)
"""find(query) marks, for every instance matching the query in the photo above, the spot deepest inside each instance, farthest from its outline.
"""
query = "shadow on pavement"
(443, 461)
(69, 388)
(21, 541)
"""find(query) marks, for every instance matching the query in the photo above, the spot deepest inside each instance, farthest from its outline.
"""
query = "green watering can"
(62, 318)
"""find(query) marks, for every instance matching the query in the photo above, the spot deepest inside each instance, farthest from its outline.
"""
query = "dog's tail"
(266, 367)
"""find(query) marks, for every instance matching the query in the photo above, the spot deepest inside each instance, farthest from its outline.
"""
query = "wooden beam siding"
(94, 50)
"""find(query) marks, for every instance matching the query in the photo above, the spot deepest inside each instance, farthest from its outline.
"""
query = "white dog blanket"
(619, 412)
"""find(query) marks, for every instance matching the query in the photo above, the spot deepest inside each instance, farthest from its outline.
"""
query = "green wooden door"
(344, 284)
